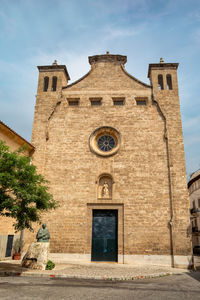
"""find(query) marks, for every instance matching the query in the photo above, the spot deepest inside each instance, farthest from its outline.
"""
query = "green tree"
(23, 193)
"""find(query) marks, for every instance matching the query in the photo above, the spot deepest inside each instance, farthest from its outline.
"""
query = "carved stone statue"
(105, 190)
(43, 234)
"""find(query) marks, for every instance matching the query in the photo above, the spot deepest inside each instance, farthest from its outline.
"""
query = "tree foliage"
(23, 193)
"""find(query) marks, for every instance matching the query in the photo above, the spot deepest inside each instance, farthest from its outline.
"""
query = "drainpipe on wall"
(171, 205)
(170, 184)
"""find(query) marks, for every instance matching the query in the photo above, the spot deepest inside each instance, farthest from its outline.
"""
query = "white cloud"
(76, 62)
(191, 123)
(113, 32)
(196, 36)
(8, 24)
(191, 140)
(195, 15)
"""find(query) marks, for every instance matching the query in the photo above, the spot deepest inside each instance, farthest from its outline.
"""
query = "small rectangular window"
(199, 203)
(73, 101)
(46, 84)
(169, 82)
(141, 101)
(95, 101)
(118, 101)
(54, 83)
(160, 82)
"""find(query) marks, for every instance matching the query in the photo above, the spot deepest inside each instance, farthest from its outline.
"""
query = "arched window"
(105, 186)
(46, 84)
(169, 82)
(54, 83)
(160, 82)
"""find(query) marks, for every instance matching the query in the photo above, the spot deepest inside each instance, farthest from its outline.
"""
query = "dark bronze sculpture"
(43, 234)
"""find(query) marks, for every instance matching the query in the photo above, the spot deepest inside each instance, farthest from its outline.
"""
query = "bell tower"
(51, 80)
(163, 78)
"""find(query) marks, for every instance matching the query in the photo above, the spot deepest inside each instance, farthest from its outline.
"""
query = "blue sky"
(35, 32)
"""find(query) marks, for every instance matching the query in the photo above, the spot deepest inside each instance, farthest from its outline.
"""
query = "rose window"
(106, 143)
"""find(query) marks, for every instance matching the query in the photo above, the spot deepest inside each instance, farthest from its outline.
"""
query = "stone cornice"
(53, 68)
(162, 66)
(113, 58)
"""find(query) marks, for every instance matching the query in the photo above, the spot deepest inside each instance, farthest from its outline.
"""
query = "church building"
(112, 150)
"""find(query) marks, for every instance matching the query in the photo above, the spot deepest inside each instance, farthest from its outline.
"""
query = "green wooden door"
(104, 235)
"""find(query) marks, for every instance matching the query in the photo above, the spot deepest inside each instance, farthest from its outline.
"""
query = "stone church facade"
(112, 149)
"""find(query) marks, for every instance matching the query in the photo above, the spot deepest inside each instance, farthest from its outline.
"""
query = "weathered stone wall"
(143, 182)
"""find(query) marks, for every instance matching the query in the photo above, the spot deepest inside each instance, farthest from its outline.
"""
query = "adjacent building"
(194, 192)
(112, 149)
(7, 232)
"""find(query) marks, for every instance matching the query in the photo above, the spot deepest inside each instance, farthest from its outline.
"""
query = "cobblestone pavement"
(94, 270)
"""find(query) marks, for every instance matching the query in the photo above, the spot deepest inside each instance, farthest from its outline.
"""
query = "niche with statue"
(105, 187)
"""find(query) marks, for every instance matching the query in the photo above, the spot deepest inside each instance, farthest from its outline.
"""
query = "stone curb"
(122, 278)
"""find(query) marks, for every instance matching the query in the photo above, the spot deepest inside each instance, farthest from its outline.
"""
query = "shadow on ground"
(11, 267)
(194, 274)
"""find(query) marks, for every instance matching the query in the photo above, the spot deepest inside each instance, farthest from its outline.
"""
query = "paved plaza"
(109, 271)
